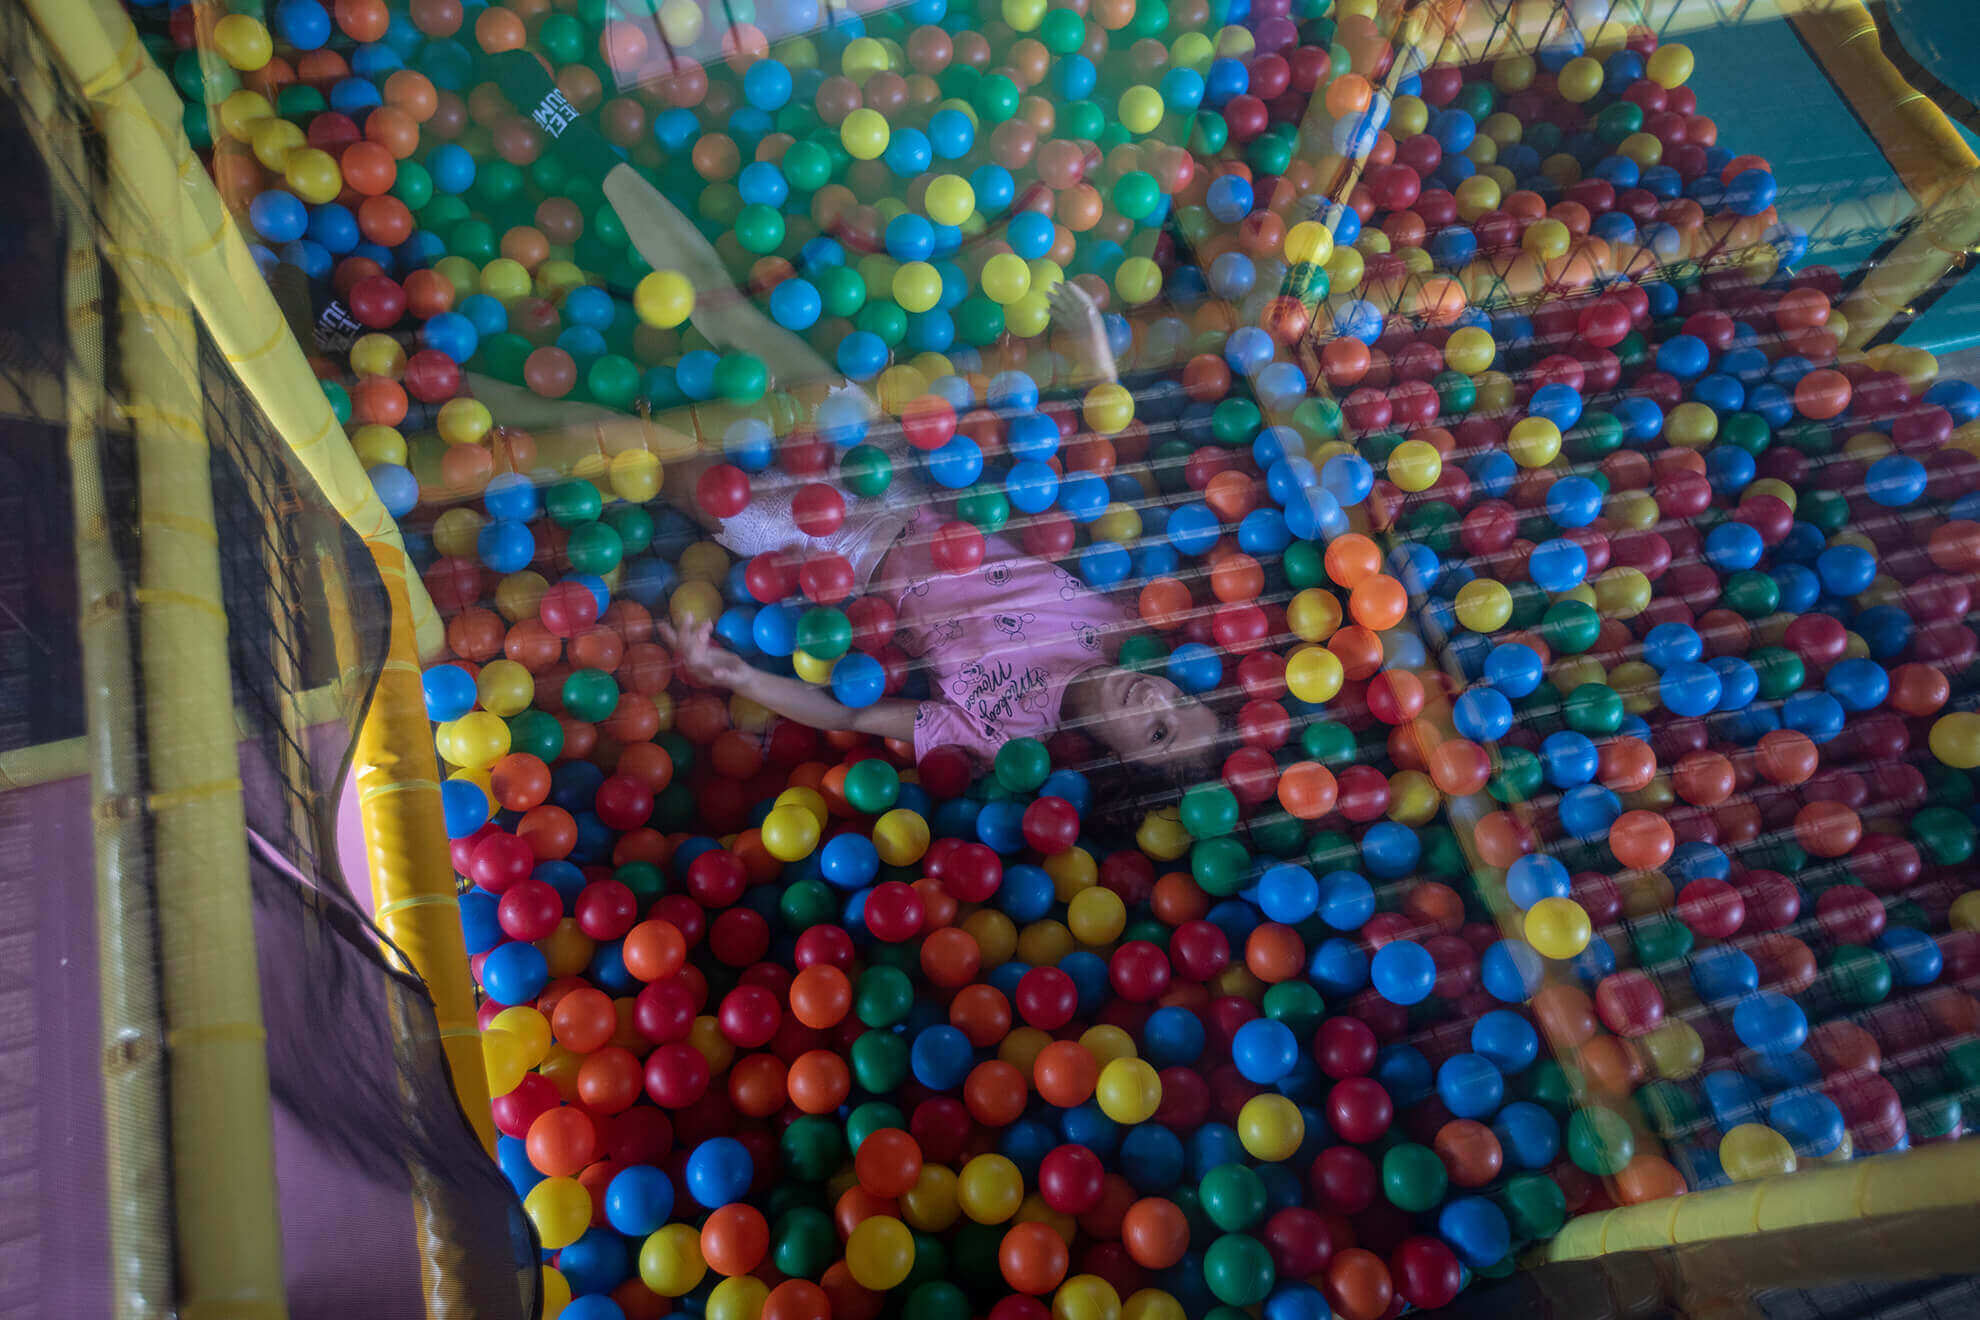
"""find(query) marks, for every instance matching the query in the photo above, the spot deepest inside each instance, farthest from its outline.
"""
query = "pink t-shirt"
(1000, 642)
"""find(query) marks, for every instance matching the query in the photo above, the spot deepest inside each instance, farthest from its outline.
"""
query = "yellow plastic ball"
(1120, 522)
(1547, 239)
(556, 1292)
(1129, 1091)
(636, 475)
(738, 1298)
(273, 139)
(1086, 1297)
(1152, 1304)
(1314, 614)
(1534, 442)
(670, 1261)
(664, 298)
(950, 199)
(1955, 740)
(995, 936)
(790, 834)
(864, 134)
(1965, 911)
(1096, 916)
(917, 286)
(1691, 425)
(1415, 465)
(1029, 316)
(505, 687)
(1643, 148)
(990, 1189)
(1622, 592)
(243, 42)
(864, 57)
(1270, 1127)
(1314, 674)
(1470, 350)
(1044, 943)
(1107, 1043)
(1141, 110)
(505, 280)
(502, 1060)
(930, 1206)
(1557, 928)
(693, 602)
(1309, 241)
(1674, 1049)
(1006, 278)
(1580, 79)
(312, 175)
(518, 596)
(527, 1026)
(1669, 66)
(1408, 117)
(456, 531)
(378, 355)
(1413, 798)
(880, 1252)
(1193, 51)
(900, 837)
(1477, 195)
(561, 1210)
(242, 113)
(476, 740)
(1754, 1150)
(464, 421)
(462, 274)
(1514, 73)
(1023, 15)
(1484, 605)
(568, 949)
(1073, 872)
(1108, 408)
(681, 22)
(1139, 280)
(1345, 269)
(1161, 835)
(376, 443)
(806, 799)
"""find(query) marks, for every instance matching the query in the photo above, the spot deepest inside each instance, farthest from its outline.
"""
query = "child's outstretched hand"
(705, 662)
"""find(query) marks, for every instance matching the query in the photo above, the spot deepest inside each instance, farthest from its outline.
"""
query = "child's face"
(1146, 718)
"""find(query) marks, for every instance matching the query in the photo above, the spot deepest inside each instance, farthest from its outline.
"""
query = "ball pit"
(1592, 626)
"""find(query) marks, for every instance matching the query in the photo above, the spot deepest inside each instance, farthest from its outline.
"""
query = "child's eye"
(1160, 734)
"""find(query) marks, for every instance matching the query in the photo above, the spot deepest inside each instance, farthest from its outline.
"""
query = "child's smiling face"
(1141, 717)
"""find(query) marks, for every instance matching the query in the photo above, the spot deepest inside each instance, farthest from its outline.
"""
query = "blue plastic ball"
(1402, 972)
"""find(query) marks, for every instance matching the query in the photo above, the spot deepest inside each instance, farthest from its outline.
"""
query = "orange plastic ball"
(1155, 1233)
(1033, 1258)
(1065, 1073)
(734, 1239)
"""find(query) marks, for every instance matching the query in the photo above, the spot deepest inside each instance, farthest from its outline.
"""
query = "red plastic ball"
(723, 491)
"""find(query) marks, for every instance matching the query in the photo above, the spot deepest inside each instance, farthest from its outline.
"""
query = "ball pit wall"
(186, 258)
(99, 49)
(398, 774)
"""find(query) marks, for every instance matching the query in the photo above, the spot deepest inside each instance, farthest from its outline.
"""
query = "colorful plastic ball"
(1754, 1150)
(1403, 972)
(1557, 928)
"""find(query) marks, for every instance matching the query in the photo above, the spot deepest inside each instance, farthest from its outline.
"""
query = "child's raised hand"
(705, 662)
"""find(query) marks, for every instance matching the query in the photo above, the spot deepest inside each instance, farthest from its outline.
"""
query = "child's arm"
(789, 697)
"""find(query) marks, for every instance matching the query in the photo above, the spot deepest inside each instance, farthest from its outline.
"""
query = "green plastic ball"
(1022, 764)
(1233, 1197)
(591, 695)
(1239, 1270)
(1600, 1141)
(872, 786)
